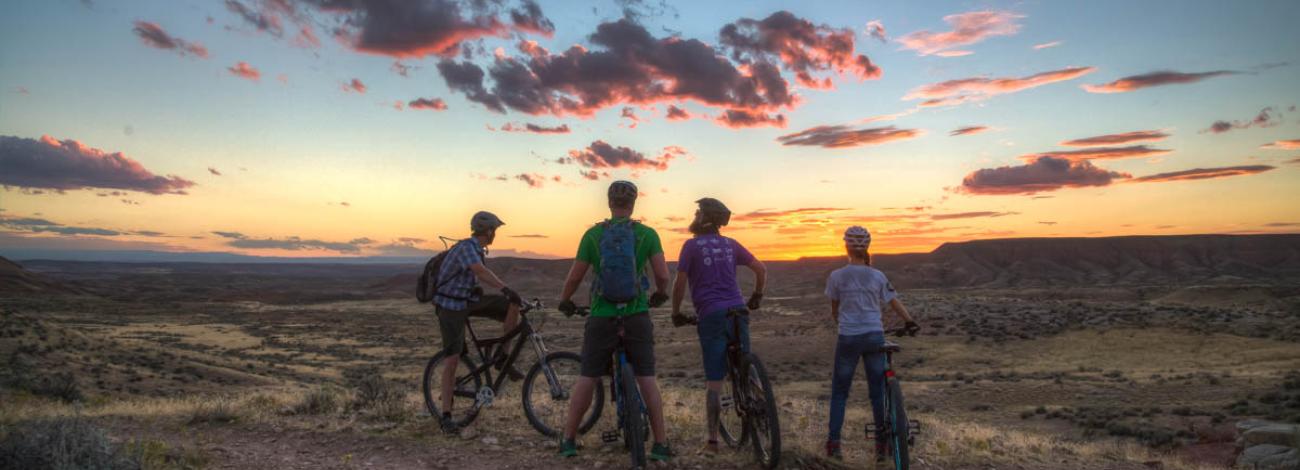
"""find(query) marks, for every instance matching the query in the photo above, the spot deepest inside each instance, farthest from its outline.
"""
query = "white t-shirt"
(862, 291)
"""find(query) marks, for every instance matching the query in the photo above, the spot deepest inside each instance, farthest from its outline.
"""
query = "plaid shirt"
(456, 279)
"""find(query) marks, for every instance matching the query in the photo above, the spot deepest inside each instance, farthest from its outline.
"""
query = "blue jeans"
(848, 349)
(715, 331)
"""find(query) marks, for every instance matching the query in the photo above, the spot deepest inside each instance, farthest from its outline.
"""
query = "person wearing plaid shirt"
(459, 297)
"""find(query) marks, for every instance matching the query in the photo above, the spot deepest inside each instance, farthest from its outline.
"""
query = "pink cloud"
(1099, 153)
(876, 29)
(67, 165)
(600, 155)
(245, 71)
(968, 130)
(953, 92)
(1041, 175)
(845, 136)
(154, 36)
(968, 28)
(1291, 144)
(1203, 173)
(1039, 47)
(1159, 78)
(354, 86)
(436, 104)
(1117, 139)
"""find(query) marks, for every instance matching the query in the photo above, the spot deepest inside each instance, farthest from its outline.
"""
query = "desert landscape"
(1115, 353)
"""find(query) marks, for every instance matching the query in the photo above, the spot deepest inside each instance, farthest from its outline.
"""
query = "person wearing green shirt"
(600, 336)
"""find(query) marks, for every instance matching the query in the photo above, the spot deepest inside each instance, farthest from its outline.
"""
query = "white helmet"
(857, 237)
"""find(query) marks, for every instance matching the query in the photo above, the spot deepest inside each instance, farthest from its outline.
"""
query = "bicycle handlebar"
(900, 332)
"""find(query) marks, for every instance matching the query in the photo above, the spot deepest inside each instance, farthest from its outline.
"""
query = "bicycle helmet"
(622, 192)
(857, 237)
(484, 221)
(713, 212)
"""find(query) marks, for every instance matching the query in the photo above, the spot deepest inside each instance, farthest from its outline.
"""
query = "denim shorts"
(715, 331)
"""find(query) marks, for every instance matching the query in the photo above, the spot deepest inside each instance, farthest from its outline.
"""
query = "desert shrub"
(215, 411)
(157, 455)
(62, 444)
(61, 385)
(382, 397)
(325, 399)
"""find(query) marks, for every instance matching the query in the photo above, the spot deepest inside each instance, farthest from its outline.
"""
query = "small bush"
(153, 454)
(61, 385)
(320, 401)
(63, 443)
(216, 411)
(383, 398)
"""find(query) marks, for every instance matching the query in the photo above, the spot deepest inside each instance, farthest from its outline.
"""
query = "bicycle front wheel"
(465, 389)
(634, 425)
(547, 392)
(897, 416)
(764, 422)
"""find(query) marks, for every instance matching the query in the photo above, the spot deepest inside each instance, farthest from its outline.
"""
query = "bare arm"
(835, 311)
(660, 268)
(486, 276)
(679, 292)
(900, 309)
(760, 275)
(571, 283)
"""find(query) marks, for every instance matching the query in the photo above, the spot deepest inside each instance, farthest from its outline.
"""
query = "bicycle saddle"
(890, 347)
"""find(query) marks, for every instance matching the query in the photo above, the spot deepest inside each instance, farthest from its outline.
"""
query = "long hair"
(864, 253)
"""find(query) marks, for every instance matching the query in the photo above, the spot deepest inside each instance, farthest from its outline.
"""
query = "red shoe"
(833, 450)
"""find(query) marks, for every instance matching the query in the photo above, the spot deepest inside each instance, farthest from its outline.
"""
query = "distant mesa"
(16, 280)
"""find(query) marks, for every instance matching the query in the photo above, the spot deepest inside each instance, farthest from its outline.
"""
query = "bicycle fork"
(539, 346)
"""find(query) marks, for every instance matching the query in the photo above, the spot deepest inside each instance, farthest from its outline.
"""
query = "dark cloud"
(231, 235)
(66, 165)
(1164, 77)
(148, 233)
(420, 28)
(845, 136)
(1099, 153)
(267, 23)
(214, 171)
(1117, 139)
(968, 130)
(1265, 118)
(677, 114)
(154, 36)
(970, 215)
(799, 46)
(1041, 175)
(436, 104)
(535, 128)
(738, 118)
(29, 224)
(245, 71)
(1204, 173)
(600, 155)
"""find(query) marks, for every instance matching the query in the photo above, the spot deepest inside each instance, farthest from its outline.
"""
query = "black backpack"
(427, 286)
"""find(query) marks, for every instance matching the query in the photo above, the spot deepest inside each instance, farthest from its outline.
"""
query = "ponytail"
(861, 253)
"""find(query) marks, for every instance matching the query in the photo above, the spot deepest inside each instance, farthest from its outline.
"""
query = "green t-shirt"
(647, 245)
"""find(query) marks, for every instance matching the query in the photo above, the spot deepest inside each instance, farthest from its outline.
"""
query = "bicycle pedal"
(726, 401)
(610, 436)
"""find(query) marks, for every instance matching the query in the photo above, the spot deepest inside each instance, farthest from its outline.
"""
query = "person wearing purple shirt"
(708, 265)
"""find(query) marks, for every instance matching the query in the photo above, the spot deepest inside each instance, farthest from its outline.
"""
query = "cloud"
(954, 92)
(264, 22)
(530, 235)
(436, 104)
(799, 46)
(354, 86)
(533, 180)
(293, 244)
(627, 66)
(1043, 174)
(1204, 173)
(677, 114)
(845, 136)
(738, 119)
(1117, 139)
(404, 247)
(65, 165)
(231, 235)
(630, 114)
(967, 28)
(154, 36)
(214, 171)
(1158, 78)
(402, 69)
(1039, 47)
(970, 215)
(1291, 144)
(35, 225)
(968, 130)
(421, 28)
(1099, 153)
(1293, 161)
(1265, 118)
(535, 128)
(773, 214)
(594, 175)
(876, 29)
(243, 70)
(603, 155)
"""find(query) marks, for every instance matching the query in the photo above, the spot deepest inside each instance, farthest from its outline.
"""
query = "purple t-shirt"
(709, 262)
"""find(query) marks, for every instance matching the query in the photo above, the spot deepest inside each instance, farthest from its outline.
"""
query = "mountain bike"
(545, 389)
(749, 413)
(633, 417)
(899, 433)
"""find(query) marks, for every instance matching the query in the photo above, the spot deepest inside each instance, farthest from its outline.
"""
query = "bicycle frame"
(489, 351)
(616, 392)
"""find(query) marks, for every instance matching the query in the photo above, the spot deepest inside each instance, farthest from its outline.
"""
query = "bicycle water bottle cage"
(610, 436)
(726, 402)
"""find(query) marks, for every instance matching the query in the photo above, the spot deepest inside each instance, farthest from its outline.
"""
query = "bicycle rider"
(708, 263)
(858, 294)
(459, 297)
(600, 338)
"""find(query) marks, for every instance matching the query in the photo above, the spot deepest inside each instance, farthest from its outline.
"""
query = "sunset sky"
(371, 127)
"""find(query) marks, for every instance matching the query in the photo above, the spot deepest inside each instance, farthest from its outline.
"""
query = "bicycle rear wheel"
(465, 390)
(546, 402)
(764, 422)
(634, 431)
(899, 429)
(732, 424)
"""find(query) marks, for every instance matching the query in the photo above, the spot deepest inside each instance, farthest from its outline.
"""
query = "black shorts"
(452, 322)
(600, 339)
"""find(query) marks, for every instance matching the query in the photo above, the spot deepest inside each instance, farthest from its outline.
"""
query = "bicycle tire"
(431, 373)
(764, 417)
(633, 426)
(732, 425)
(532, 410)
(898, 426)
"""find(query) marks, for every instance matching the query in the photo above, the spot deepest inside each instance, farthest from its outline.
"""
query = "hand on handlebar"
(657, 299)
(911, 328)
(567, 307)
(512, 296)
(682, 319)
(755, 301)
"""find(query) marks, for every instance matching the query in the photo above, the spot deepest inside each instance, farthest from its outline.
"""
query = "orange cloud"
(245, 71)
(1204, 173)
(1291, 144)
(1117, 139)
(968, 130)
(354, 86)
(845, 136)
(953, 92)
(436, 104)
(968, 28)
(1159, 78)
(1099, 153)
(799, 46)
